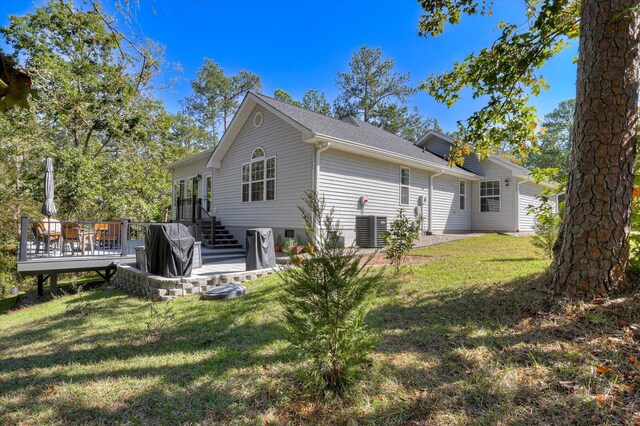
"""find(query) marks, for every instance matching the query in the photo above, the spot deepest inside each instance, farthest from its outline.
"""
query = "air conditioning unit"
(370, 231)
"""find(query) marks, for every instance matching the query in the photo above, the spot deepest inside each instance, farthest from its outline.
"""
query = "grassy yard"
(466, 339)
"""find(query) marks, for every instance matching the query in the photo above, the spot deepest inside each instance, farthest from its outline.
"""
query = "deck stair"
(222, 247)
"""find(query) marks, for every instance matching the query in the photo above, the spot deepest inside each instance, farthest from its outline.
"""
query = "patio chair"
(47, 232)
(108, 234)
(74, 234)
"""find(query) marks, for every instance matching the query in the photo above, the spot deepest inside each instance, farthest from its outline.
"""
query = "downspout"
(429, 227)
(320, 147)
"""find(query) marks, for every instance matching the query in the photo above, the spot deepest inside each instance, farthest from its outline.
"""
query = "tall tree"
(554, 140)
(216, 96)
(94, 113)
(311, 100)
(406, 123)
(316, 101)
(592, 251)
(370, 85)
(285, 97)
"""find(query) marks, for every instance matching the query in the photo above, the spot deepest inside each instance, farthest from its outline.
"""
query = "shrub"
(546, 225)
(161, 319)
(325, 303)
(399, 240)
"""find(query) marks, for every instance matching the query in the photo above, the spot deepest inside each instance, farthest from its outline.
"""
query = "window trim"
(264, 159)
(462, 198)
(408, 186)
(480, 196)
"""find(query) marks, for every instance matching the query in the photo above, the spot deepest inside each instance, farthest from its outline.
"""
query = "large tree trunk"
(592, 251)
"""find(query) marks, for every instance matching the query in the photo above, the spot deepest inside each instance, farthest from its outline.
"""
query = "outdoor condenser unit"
(370, 231)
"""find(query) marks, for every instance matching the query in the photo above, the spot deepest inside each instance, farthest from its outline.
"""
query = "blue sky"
(298, 45)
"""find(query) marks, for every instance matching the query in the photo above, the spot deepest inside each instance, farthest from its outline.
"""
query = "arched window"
(258, 153)
(259, 177)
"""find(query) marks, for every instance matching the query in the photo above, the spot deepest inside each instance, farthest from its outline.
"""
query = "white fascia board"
(368, 151)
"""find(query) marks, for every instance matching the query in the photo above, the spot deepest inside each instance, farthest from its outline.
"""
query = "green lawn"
(466, 339)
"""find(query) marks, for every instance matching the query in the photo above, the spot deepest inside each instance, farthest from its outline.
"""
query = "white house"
(273, 151)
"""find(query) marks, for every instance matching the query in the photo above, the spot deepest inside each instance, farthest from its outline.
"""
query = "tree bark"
(591, 254)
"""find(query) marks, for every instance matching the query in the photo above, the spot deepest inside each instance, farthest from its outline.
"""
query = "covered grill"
(260, 251)
(169, 250)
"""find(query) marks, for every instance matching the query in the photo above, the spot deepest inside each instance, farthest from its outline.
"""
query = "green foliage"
(370, 85)
(325, 301)
(546, 223)
(503, 74)
(316, 101)
(553, 148)
(216, 97)
(94, 114)
(373, 91)
(312, 100)
(15, 84)
(399, 240)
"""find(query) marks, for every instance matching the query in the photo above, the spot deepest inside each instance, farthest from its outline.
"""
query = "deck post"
(193, 209)
(40, 285)
(53, 284)
(178, 208)
(123, 237)
(24, 225)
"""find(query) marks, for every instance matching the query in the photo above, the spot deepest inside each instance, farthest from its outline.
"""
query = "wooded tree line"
(92, 108)
(370, 89)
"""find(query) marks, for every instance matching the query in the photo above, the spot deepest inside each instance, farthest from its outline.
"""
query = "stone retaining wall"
(154, 287)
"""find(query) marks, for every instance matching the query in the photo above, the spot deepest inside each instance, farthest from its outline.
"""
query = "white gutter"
(361, 149)
(429, 228)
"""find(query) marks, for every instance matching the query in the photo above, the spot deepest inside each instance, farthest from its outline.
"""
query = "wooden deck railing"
(50, 238)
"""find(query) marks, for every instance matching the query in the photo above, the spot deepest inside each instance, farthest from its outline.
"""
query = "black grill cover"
(260, 251)
(169, 248)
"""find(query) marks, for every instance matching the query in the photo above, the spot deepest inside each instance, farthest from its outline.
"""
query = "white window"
(490, 196)
(404, 185)
(259, 178)
(463, 195)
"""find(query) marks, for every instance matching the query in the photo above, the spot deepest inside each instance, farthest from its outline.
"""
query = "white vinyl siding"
(490, 196)
(526, 198)
(345, 177)
(293, 171)
(447, 215)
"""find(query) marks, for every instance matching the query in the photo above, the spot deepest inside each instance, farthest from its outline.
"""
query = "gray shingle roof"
(353, 130)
